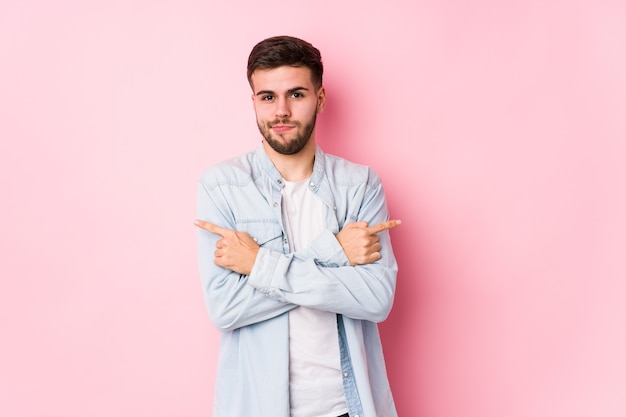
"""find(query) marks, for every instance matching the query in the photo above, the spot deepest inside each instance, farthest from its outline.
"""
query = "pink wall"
(499, 130)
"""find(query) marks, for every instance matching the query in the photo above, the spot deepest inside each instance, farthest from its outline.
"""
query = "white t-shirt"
(315, 380)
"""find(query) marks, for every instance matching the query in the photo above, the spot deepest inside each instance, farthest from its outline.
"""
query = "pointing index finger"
(210, 227)
(390, 224)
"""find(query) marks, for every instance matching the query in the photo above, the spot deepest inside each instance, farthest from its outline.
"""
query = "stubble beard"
(293, 146)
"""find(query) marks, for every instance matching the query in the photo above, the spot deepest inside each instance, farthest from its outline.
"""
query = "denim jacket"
(244, 194)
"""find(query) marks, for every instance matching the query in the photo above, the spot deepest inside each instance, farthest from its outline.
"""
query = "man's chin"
(285, 147)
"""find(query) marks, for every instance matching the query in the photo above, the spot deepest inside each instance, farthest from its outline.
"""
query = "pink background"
(498, 128)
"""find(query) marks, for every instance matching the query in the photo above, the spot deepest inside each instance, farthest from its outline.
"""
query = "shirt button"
(255, 239)
(345, 374)
(312, 184)
(280, 181)
(275, 204)
(285, 241)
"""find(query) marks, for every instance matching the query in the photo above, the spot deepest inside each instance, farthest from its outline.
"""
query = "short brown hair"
(279, 51)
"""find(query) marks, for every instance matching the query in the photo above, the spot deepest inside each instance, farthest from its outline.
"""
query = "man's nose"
(282, 108)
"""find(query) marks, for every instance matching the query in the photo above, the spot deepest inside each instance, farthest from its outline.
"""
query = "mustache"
(283, 122)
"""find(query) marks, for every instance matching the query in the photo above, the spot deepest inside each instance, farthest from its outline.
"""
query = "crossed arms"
(237, 251)
(351, 273)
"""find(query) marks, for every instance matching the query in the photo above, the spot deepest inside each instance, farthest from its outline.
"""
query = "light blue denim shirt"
(244, 193)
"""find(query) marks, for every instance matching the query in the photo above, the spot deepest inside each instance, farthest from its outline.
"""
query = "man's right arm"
(231, 302)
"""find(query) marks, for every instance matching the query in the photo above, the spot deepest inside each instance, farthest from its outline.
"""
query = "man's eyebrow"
(290, 91)
(296, 89)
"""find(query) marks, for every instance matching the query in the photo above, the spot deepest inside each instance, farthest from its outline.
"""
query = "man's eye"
(297, 95)
(267, 98)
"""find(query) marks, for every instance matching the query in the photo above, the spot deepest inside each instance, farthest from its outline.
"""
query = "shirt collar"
(267, 166)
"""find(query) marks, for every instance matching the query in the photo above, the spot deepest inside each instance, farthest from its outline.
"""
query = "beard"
(296, 144)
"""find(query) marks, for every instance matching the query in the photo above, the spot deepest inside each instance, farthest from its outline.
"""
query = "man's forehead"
(281, 78)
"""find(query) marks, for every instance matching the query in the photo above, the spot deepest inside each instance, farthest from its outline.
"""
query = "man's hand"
(235, 250)
(360, 242)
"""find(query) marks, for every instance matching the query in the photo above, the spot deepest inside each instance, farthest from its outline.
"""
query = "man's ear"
(252, 98)
(321, 99)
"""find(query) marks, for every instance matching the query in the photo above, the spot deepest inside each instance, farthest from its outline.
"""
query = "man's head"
(285, 74)
(281, 51)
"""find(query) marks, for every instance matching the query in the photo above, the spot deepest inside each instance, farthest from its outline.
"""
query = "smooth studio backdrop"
(498, 129)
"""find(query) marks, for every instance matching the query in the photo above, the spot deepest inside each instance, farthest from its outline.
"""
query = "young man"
(293, 274)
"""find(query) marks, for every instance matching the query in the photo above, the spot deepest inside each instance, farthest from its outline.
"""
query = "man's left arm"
(325, 277)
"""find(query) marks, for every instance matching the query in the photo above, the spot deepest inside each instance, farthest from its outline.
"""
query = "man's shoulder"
(342, 169)
(234, 170)
(339, 162)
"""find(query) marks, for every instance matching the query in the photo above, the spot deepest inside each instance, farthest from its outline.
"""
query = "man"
(293, 274)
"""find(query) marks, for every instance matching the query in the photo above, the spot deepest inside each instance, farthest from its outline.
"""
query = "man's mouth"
(281, 128)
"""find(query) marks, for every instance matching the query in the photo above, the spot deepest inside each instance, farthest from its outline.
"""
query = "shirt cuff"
(261, 275)
(327, 251)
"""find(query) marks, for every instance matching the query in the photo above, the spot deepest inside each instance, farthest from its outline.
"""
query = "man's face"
(286, 104)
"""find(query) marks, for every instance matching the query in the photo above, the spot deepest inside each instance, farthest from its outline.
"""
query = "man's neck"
(296, 167)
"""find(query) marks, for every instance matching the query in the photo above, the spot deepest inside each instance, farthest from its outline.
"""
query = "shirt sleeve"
(321, 277)
(230, 301)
